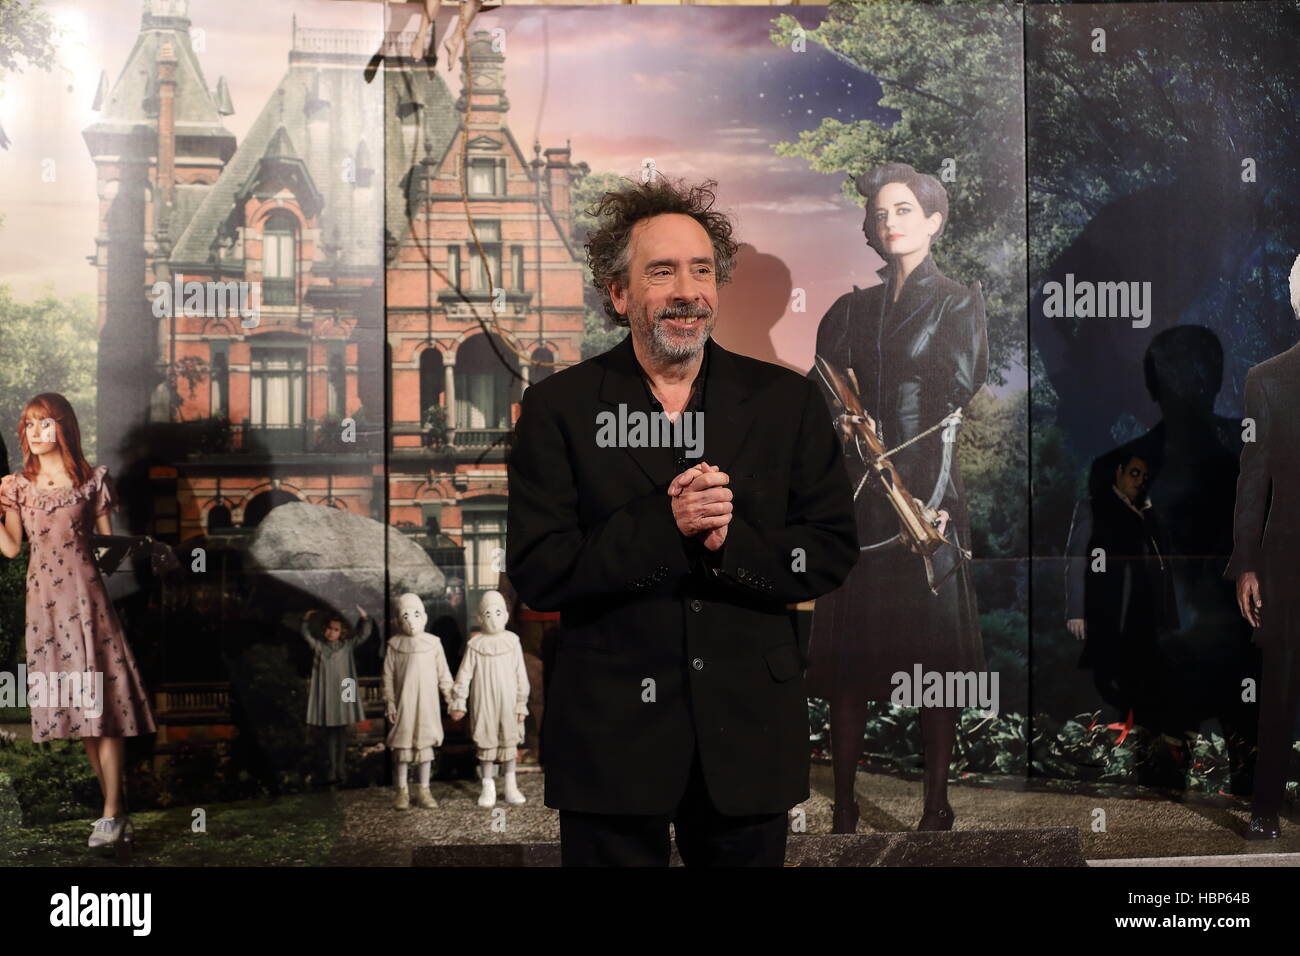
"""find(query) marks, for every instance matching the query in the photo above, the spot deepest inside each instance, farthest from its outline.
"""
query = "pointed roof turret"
(224, 106)
(101, 92)
(131, 101)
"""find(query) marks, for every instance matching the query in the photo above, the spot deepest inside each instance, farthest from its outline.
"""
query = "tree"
(952, 71)
(48, 346)
(26, 39)
(599, 333)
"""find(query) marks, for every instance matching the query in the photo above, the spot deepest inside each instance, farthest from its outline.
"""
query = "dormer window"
(489, 237)
(280, 260)
(487, 176)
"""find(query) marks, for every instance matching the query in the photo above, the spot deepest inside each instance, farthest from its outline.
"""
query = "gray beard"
(668, 350)
(664, 347)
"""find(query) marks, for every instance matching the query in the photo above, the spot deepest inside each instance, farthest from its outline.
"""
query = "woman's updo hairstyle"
(929, 192)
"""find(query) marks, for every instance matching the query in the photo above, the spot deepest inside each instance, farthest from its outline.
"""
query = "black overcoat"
(915, 360)
(660, 652)
(1130, 598)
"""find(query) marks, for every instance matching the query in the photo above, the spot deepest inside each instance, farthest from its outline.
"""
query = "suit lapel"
(727, 417)
(728, 411)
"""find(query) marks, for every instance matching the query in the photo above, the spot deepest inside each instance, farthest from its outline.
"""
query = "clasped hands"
(701, 503)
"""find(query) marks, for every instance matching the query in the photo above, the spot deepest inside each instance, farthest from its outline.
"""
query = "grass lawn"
(296, 830)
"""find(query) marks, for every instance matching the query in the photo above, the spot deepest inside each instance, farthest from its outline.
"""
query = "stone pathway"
(374, 834)
(1195, 828)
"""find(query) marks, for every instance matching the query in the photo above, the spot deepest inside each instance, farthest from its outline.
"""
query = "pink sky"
(701, 90)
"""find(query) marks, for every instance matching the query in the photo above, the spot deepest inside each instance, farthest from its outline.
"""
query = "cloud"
(794, 206)
(670, 81)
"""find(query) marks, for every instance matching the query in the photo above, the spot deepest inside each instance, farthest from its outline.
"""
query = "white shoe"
(403, 799)
(425, 799)
(108, 831)
(512, 791)
(488, 798)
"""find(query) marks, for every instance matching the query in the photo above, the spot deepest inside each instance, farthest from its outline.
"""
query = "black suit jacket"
(1266, 534)
(661, 653)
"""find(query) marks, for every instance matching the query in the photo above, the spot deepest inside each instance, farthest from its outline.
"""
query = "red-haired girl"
(59, 501)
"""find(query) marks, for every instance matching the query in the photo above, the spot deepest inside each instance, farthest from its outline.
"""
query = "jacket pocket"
(783, 661)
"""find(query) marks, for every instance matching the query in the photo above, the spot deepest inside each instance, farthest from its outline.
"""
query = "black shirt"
(695, 403)
(701, 557)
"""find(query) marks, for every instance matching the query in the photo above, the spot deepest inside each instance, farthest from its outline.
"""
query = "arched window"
(280, 259)
(219, 518)
(219, 379)
(336, 382)
(486, 383)
(261, 506)
(432, 380)
(542, 367)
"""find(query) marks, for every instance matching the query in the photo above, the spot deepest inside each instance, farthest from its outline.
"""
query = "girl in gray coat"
(334, 698)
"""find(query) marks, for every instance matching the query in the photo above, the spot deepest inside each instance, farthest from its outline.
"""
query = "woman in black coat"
(918, 346)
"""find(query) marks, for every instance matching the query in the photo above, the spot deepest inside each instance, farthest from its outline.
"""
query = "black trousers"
(705, 837)
(1279, 684)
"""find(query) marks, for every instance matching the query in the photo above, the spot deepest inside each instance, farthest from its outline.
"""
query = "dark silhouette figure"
(1192, 457)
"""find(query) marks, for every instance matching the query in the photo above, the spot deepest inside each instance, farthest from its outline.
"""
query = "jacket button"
(698, 664)
(696, 604)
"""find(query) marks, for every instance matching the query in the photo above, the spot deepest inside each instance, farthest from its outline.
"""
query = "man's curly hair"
(609, 247)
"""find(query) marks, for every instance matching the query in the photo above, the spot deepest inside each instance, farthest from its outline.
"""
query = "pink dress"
(71, 624)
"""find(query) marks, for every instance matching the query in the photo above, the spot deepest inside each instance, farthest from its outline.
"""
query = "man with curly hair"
(677, 695)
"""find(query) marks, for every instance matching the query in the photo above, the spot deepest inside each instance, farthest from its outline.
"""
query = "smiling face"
(411, 616)
(899, 224)
(670, 296)
(492, 613)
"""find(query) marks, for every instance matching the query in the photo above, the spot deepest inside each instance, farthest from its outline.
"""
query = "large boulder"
(338, 557)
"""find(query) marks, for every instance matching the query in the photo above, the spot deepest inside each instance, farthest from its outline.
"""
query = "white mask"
(411, 616)
(492, 613)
